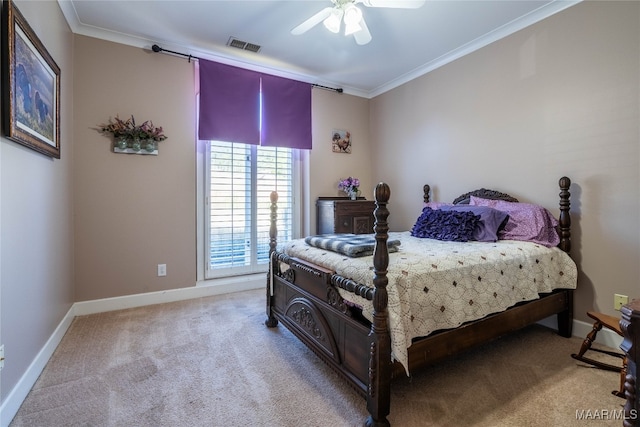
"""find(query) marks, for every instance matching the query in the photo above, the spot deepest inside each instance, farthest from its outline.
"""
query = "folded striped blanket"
(351, 245)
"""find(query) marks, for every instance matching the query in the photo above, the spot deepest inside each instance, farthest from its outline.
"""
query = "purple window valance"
(230, 107)
(286, 113)
(229, 104)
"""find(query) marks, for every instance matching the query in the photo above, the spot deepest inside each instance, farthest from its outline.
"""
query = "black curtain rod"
(335, 89)
(157, 48)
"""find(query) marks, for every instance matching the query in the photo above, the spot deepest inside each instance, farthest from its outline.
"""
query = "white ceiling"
(406, 42)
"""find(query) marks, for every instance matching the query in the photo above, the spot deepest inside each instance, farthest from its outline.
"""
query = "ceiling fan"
(347, 11)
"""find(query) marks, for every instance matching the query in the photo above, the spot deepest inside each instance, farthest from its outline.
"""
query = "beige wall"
(331, 111)
(133, 212)
(36, 229)
(558, 98)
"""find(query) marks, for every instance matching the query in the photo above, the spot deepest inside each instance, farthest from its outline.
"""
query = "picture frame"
(31, 105)
(341, 141)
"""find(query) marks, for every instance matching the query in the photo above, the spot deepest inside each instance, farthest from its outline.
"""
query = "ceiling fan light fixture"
(352, 15)
(333, 21)
(352, 19)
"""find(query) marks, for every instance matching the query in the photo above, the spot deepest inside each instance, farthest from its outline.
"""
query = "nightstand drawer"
(354, 207)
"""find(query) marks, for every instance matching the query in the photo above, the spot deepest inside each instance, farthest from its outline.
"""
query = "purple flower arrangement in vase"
(350, 186)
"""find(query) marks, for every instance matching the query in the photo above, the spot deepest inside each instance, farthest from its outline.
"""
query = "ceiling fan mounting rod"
(344, 3)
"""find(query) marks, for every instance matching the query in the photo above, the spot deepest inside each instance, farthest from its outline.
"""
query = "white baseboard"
(202, 289)
(16, 396)
(581, 329)
(14, 399)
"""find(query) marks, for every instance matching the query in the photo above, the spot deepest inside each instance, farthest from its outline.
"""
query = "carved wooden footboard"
(630, 325)
(305, 298)
(311, 308)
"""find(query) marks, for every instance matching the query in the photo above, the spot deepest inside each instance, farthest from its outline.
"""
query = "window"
(267, 122)
(240, 179)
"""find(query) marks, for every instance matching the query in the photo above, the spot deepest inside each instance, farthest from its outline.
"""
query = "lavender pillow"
(441, 225)
(526, 222)
(491, 221)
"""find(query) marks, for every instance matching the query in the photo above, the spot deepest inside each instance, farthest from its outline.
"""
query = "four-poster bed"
(324, 309)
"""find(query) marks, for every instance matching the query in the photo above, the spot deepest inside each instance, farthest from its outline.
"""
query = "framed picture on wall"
(341, 141)
(31, 79)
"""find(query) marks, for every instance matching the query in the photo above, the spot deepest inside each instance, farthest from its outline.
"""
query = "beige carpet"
(212, 362)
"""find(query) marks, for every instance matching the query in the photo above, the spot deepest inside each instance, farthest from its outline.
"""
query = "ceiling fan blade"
(312, 22)
(363, 36)
(397, 4)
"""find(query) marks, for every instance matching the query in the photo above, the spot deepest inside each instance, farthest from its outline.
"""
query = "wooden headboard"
(564, 220)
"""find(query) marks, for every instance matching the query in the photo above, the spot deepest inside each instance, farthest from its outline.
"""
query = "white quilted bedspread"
(436, 285)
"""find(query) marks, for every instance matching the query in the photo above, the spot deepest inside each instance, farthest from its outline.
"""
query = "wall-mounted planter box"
(132, 151)
(136, 146)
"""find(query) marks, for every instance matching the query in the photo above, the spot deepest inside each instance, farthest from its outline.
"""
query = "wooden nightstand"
(342, 215)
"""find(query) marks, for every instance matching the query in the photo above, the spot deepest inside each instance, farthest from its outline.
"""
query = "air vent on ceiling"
(239, 44)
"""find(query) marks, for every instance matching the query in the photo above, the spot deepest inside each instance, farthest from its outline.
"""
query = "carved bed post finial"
(630, 327)
(379, 391)
(271, 321)
(425, 193)
(564, 226)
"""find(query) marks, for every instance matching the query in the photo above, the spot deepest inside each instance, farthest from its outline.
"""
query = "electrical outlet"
(1, 357)
(619, 301)
(162, 270)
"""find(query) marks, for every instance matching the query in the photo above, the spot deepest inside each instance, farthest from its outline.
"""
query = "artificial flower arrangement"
(128, 129)
(350, 186)
(129, 135)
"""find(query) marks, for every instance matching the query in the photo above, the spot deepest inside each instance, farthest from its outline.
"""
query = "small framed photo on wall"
(341, 141)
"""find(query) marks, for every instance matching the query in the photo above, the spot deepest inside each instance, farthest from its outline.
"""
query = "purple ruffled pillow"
(527, 222)
(490, 223)
(445, 225)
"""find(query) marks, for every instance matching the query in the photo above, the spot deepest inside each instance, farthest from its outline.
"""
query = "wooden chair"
(612, 323)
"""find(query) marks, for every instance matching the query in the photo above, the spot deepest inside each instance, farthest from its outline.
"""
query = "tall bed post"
(630, 326)
(271, 321)
(565, 318)
(564, 222)
(379, 390)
